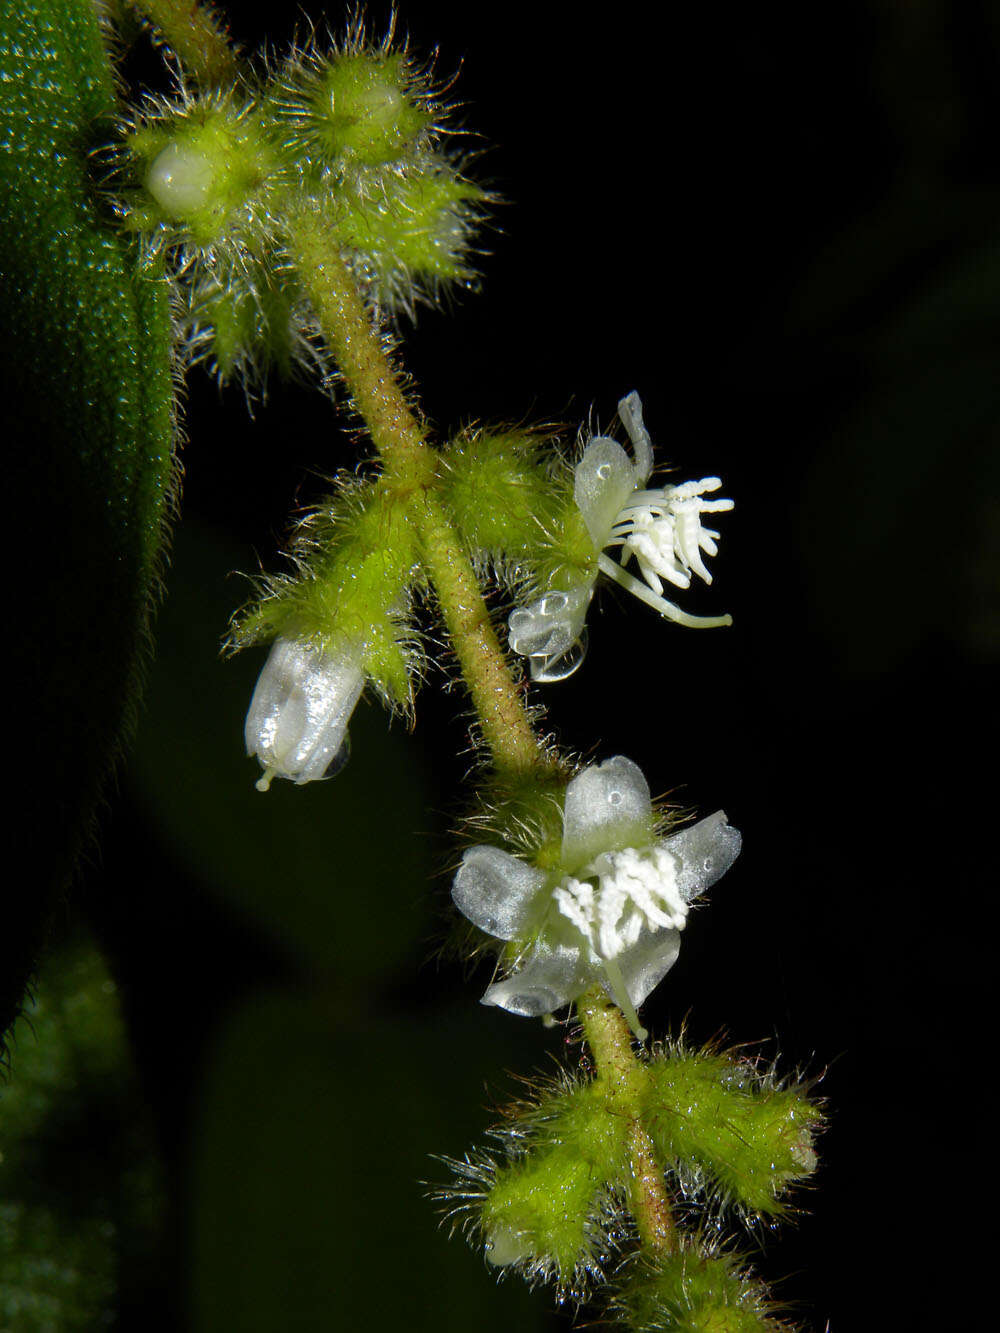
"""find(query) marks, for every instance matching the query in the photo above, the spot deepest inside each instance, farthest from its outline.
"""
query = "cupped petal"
(607, 809)
(645, 963)
(550, 625)
(550, 668)
(498, 892)
(630, 414)
(297, 721)
(604, 479)
(552, 977)
(705, 852)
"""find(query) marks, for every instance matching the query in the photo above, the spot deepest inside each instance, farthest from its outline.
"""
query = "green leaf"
(87, 395)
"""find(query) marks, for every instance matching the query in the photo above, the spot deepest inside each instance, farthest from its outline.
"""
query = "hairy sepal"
(695, 1289)
(356, 565)
(727, 1127)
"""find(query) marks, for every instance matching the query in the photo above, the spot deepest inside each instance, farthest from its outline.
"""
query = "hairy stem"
(610, 1041)
(196, 36)
(505, 724)
(358, 352)
(410, 465)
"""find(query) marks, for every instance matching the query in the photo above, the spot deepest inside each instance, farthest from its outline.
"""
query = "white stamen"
(635, 888)
(663, 530)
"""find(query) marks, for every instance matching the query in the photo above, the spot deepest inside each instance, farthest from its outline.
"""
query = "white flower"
(611, 911)
(660, 528)
(298, 716)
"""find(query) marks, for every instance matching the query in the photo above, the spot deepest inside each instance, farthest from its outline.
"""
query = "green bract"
(694, 1292)
(354, 108)
(412, 235)
(720, 1123)
(207, 174)
(547, 1209)
(357, 561)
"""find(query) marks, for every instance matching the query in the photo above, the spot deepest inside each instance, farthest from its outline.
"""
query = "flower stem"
(410, 465)
(610, 1041)
(196, 36)
(358, 352)
(505, 724)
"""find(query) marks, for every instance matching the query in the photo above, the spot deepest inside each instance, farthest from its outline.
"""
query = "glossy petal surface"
(552, 977)
(706, 850)
(603, 481)
(298, 716)
(607, 808)
(498, 892)
(550, 625)
(644, 964)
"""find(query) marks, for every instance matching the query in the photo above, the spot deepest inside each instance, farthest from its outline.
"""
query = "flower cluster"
(349, 134)
(610, 911)
(661, 529)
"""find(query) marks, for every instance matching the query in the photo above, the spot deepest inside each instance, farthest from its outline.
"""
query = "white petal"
(706, 850)
(607, 808)
(630, 415)
(298, 716)
(604, 479)
(498, 892)
(644, 965)
(181, 180)
(550, 668)
(550, 625)
(551, 978)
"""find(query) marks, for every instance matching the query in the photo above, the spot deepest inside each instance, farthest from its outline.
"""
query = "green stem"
(505, 724)
(358, 352)
(610, 1041)
(410, 465)
(195, 35)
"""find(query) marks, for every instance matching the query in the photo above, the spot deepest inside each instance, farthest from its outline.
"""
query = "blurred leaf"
(78, 1184)
(336, 871)
(87, 393)
(310, 1214)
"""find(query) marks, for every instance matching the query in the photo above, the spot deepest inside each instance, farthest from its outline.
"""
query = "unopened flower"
(611, 910)
(298, 716)
(661, 528)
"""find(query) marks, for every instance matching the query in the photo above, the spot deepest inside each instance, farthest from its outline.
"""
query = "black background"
(778, 224)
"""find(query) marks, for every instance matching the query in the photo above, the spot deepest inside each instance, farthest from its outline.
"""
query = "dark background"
(778, 224)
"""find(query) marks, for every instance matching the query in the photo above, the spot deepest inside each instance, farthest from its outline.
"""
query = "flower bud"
(297, 722)
(362, 107)
(205, 169)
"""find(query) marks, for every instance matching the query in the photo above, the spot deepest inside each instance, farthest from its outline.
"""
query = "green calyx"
(499, 493)
(690, 1292)
(363, 107)
(546, 1209)
(412, 232)
(205, 170)
(564, 556)
(243, 330)
(720, 1123)
(357, 561)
